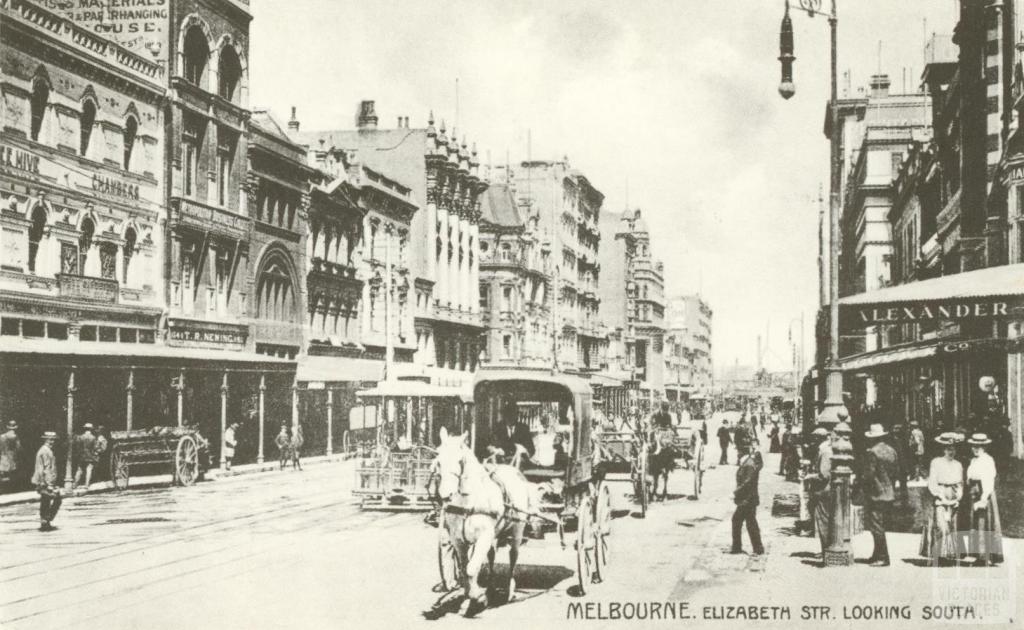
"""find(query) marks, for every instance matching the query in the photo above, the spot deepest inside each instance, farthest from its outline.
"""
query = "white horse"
(481, 506)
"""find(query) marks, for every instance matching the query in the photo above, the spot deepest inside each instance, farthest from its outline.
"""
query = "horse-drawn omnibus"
(557, 487)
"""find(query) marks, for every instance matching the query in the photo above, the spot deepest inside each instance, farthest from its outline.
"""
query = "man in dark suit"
(662, 419)
(878, 476)
(723, 442)
(746, 498)
(510, 433)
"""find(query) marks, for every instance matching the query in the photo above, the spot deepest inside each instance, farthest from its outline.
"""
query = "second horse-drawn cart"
(182, 451)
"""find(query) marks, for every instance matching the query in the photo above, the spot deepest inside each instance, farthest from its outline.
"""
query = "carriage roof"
(541, 380)
(415, 389)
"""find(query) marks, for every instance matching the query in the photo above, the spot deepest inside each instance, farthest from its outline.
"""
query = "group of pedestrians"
(289, 446)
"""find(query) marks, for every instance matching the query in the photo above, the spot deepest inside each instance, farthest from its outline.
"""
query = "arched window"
(197, 52)
(129, 250)
(35, 236)
(85, 124)
(40, 99)
(131, 129)
(275, 297)
(230, 73)
(84, 243)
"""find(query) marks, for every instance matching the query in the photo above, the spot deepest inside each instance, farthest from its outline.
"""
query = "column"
(465, 272)
(129, 395)
(441, 268)
(263, 395)
(474, 272)
(409, 420)
(295, 407)
(223, 411)
(180, 386)
(69, 469)
(330, 421)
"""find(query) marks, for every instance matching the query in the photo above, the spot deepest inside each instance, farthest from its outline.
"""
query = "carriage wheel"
(584, 544)
(602, 529)
(119, 470)
(186, 461)
(640, 488)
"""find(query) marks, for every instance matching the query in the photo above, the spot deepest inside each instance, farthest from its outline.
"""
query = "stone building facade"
(688, 360)
(515, 283)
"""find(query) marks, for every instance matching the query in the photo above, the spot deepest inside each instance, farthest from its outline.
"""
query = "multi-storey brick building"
(688, 361)
(568, 208)
(515, 283)
(633, 300)
(442, 177)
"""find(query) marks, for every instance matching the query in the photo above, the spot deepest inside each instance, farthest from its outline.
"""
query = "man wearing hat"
(45, 480)
(917, 449)
(723, 442)
(10, 455)
(878, 476)
(85, 455)
(746, 498)
(230, 442)
(819, 488)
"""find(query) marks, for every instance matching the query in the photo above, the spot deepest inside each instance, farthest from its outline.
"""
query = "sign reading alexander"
(862, 316)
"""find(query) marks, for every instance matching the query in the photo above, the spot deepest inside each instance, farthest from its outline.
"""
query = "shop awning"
(606, 380)
(888, 356)
(991, 293)
(123, 354)
(338, 369)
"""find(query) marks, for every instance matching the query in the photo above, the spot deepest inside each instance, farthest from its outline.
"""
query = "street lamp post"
(834, 414)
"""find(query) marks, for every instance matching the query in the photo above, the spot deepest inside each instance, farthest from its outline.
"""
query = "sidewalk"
(158, 480)
(910, 591)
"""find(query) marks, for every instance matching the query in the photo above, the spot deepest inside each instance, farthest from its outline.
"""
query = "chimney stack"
(293, 124)
(879, 85)
(367, 116)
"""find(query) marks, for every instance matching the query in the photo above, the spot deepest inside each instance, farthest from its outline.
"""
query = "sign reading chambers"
(138, 25)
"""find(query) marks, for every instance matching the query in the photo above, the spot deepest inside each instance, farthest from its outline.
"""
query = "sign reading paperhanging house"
(141, 26)
(861, 316)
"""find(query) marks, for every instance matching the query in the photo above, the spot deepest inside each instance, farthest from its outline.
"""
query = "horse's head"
(450, 465)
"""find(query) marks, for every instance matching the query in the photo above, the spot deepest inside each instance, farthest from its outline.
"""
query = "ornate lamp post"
(834, 414)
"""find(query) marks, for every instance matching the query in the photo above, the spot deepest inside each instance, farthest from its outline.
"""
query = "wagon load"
(181, 451)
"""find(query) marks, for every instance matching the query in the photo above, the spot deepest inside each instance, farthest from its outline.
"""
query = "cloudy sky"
(670, 105)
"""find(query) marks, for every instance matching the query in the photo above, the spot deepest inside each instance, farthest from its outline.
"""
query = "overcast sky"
(674, 101)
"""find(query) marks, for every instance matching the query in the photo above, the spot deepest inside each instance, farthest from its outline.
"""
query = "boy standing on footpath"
(45, 480)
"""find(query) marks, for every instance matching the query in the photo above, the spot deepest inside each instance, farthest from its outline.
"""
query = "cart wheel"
(584, 544)
(119, 470)
(186, 461)
(641, 489)
(602, 530)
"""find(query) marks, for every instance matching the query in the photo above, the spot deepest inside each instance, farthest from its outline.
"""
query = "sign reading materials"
(138, 25)
(862, 316)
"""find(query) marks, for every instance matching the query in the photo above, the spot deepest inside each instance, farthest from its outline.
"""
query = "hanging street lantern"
(786, 87)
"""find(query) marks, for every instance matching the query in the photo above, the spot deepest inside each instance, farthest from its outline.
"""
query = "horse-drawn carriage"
(627, 452)
(182, 451)
(679, 447)
(394, 476)
(485, 506)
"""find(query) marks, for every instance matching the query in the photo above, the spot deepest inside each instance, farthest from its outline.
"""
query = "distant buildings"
(688, 362)
(633, 300)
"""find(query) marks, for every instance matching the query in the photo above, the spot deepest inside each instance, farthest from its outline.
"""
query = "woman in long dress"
(946, 488)
(985, 540)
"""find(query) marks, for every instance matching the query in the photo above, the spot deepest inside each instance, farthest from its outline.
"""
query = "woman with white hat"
(946, 486)
(985, 540)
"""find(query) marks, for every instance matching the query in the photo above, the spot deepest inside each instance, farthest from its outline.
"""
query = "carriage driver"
(509, 434)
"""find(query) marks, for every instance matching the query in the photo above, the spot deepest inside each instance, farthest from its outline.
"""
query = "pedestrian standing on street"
(746, 498)
(879, 475)
(44, 478)
(900, 444)
(946, 489)
(819, 489)
(985, 541)
(723, 442)
(10, 456)
(230, 442)
(283, 442)
(101, 447)
(296, 447)
(917, 449)
(84, 452)
(741, 438)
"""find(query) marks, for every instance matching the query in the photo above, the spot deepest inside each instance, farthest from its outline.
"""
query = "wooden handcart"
(182, 451)
(627, 452)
